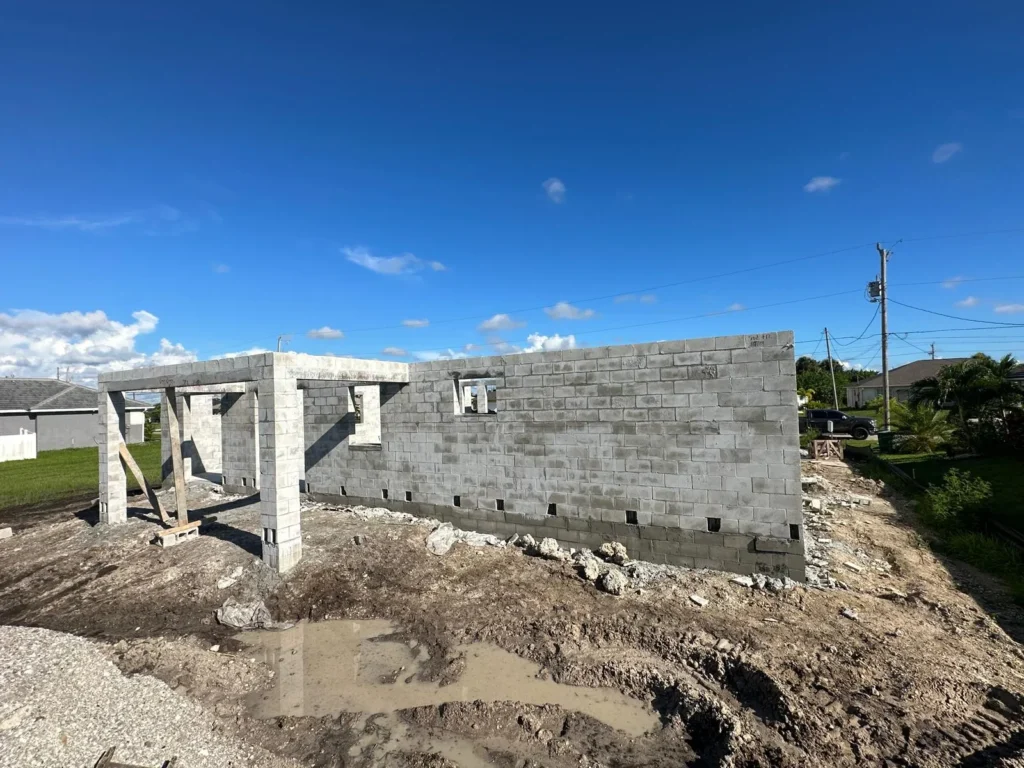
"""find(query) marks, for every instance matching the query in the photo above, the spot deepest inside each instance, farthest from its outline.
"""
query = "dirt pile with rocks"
(888, 655)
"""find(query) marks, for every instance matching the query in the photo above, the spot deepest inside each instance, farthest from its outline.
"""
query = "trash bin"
(886, 441)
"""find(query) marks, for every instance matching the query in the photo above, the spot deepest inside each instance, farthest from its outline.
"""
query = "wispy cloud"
(394, 352)
(563, 310)
(539, 343)
(944, 152)
(643, 298)
(81, 223)
(500, 322)
(429, 355)
(221, 269)
(554, 188)
(822, 184)
(847, 366)
(416, 323)
(1009, 309)
(158, 220)
(970, 301)
(246, 352)
(735, 307)
(403, 263)
(325, 333)
(952, 282)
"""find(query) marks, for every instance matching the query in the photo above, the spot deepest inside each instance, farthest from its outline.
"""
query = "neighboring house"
(900, 381)
(59, 413)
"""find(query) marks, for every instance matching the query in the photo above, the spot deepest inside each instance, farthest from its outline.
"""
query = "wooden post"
(173, 429)
(140, 478)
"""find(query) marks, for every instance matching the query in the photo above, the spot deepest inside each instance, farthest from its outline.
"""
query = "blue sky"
(214, 176)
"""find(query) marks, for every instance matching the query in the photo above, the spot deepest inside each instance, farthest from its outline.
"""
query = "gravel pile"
(62, 704)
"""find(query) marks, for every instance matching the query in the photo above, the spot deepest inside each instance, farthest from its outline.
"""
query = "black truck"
(855, 426)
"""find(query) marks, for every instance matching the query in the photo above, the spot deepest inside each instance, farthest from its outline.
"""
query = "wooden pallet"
(827, 449)
(107, 761)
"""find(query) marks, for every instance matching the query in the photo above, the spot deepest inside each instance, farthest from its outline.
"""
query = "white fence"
(18, 447)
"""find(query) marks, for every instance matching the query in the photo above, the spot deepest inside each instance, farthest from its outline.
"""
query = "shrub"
(817, 405)
(922, 429)
(808, 437)
(961, 498)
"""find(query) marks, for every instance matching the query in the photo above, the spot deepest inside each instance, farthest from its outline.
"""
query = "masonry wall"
(239, 440)
(696, 441)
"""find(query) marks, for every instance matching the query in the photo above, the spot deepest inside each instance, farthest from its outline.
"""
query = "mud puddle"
(329, 667)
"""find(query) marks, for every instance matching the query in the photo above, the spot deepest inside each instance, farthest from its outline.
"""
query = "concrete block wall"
(204, 442)
(240, 441)
(686, 451)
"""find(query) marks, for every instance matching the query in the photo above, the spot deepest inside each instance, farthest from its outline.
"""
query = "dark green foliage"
(961, 499)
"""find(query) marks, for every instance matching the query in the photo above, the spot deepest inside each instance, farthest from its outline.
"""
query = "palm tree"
(922, 428)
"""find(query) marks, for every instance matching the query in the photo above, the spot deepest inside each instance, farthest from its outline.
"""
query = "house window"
(475, 396)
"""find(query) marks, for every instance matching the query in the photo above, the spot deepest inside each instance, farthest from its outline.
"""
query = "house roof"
(906, 375)
(51, 395)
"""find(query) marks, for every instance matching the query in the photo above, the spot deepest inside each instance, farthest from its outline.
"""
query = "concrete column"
(481, 398)
(281, 461)
(113, 492)
(166, 468)
(185, 425)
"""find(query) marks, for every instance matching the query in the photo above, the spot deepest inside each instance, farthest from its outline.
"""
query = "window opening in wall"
(408, 495)
(456, 501)
(714, 524)
(476, 396)
(631, 518)
(499, 504)
(794, 532)
(269, 535)
(383, 493)
(357, 406)
(552, 509)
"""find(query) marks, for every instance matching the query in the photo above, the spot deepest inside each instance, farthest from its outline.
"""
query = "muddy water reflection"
(329, 667)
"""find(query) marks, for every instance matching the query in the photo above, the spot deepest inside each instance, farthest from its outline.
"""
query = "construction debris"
(698, 600)
(251, 615)
(6, 533)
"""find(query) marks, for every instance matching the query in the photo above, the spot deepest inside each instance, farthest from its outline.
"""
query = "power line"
(910, 343)
(816, 345)
(954, 317)
(862, 333)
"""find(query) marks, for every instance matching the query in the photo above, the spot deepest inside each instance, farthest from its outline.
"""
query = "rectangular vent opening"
(631, 518)
(456, 501)
(343, 493)
(499, 504)
(714, 524)
(552, 509)
(408, 495)
(383, 493)
(794, 532)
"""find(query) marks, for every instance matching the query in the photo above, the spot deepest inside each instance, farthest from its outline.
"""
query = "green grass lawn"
(57, 475)
(1004, 473)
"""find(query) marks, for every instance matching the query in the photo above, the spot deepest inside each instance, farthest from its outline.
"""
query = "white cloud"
(394, 352)
(735, 307)
(849, 366)
(244, 352)
(944, 152)
(643, 298)
(429, 355)
(1009, 309)
(539, 343)
(563, 310)
(325, 333)
(402, 264)
(821, 184)
(159, 220)
(500, 322)
(952, 282)
(501, 347)
(221, 269)
(970, 301)
(34, 344)
(415, 323)
(554, 188)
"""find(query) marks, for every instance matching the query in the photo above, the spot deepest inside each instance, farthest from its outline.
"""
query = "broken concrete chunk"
(512, 540)
(550, 550)
(698, 600)
(589, 568)
(862, 500)
(359, 539)
(743, 581)
(527, 542)
(613, 582)
(251, 615)
(853, 567)
(892, 594)
(226, 581)
(441, 539)
(613, 552)
(850, 614)
(723, 645)
(6, 533)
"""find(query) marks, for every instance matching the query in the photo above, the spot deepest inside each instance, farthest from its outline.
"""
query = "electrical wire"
(862, 333)
(820, 338)
(954, 317)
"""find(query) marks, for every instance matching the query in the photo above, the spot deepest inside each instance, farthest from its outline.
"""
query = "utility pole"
(884, 256)
(284, 338)
(932, 352)
(832, 370)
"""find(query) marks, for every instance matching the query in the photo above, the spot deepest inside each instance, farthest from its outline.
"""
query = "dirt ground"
(926, 673)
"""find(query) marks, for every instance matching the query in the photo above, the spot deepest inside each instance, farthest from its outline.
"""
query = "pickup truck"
(855, 426)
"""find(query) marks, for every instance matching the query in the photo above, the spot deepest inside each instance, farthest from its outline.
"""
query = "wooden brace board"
(140, 478)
